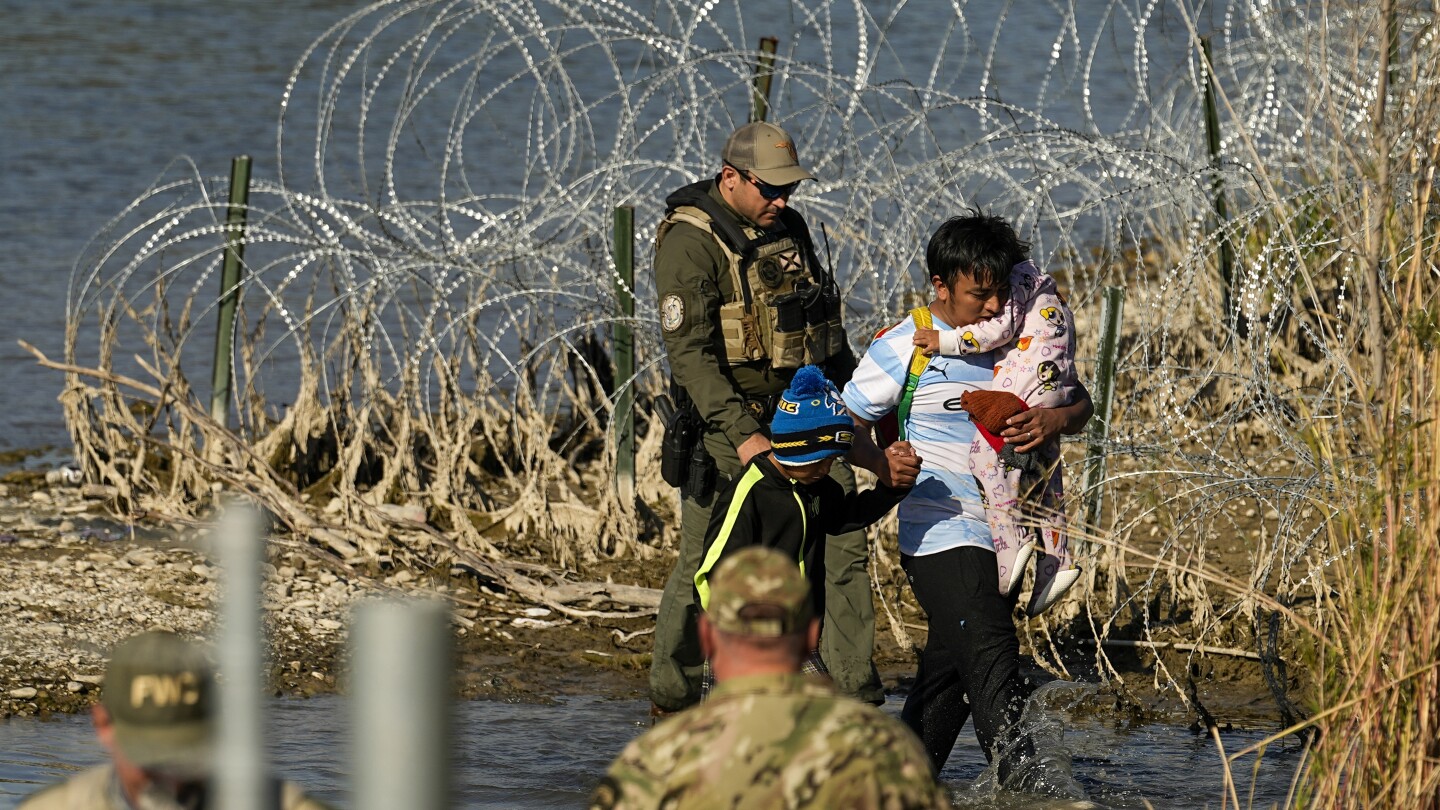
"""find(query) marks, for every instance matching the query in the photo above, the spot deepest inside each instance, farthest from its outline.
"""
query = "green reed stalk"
(1381, 746)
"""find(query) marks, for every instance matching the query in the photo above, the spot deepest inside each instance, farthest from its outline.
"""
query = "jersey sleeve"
(875, 388)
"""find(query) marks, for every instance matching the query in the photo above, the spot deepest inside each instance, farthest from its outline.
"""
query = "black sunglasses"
(766, 190)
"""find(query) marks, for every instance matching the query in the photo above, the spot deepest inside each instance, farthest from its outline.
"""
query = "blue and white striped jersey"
(944, 510)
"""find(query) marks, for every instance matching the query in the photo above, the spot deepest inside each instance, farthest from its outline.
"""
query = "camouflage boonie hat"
(159, 691)
(758, 591)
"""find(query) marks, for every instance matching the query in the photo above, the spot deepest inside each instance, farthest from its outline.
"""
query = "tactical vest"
(785, 308)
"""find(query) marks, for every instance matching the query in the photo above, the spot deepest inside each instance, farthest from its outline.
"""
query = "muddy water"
(533, 756)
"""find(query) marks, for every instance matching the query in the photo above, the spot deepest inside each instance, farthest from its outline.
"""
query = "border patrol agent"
(744, 302)
(769, 736)
(155, 717)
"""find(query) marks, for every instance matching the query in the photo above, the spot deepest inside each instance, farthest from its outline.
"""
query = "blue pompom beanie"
(810, 422)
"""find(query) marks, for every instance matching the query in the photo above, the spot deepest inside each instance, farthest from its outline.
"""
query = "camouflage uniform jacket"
(98, 789)
(773, 741)
(691, 267)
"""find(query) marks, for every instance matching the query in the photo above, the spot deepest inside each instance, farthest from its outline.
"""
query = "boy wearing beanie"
(783, 498)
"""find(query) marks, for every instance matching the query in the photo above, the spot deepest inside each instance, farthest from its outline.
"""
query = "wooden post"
(1104, 394)
(764, 70)
(230, 289)
(624, 337)
(1233, 318)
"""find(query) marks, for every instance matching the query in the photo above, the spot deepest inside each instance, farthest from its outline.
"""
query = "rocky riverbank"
(73, 582)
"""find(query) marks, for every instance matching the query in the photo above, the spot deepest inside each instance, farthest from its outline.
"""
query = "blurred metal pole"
(241, 772)
(764, 72)
(624, 421)
(1104, 394)
(402, 698)
(229, 288)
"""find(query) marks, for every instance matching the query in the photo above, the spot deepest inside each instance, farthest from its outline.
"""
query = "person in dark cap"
(156, 719)
(744, 302)
(769, 736)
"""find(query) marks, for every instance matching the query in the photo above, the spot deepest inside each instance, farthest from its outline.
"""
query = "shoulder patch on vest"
(672, 313)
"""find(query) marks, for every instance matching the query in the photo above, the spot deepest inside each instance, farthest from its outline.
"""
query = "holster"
(682, 435)
(701, 479)
(684, 462)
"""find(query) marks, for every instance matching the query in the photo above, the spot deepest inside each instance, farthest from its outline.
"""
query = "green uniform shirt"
(775, 741)
(691, 266)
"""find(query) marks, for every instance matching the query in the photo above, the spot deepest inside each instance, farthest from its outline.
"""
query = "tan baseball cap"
(159, 691)
(758, 591)
(767, 151)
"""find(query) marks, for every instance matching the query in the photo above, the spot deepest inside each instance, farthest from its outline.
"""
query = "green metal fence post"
(764, 70)
(624, 337)
(230, 288)
(1104, 394)
(1217, 193)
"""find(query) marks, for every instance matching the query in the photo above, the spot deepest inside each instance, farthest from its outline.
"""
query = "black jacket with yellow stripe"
(764, 507)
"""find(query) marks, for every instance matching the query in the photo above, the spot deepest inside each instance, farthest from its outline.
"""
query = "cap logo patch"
(789, 147)
(165, 690)
(787, 406)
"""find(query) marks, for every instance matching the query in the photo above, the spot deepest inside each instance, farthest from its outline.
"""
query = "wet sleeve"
(687, 266)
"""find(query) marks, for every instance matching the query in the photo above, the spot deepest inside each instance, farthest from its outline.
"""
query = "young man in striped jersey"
(970, 664)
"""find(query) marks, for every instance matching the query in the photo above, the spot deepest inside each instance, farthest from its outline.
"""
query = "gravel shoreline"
(74, 582)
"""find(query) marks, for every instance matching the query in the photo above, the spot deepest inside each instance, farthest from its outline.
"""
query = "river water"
(520, 755)
(97, 97)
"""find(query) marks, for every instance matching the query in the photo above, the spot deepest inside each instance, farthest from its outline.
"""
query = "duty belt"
(762, 408)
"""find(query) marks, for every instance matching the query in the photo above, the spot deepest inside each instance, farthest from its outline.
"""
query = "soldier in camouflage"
(744, 301)
(768, 736)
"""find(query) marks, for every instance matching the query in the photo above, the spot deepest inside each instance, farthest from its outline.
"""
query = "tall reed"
(1378, 696)
(1356, 225)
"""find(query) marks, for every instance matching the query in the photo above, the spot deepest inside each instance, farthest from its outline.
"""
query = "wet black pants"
(971, 661)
